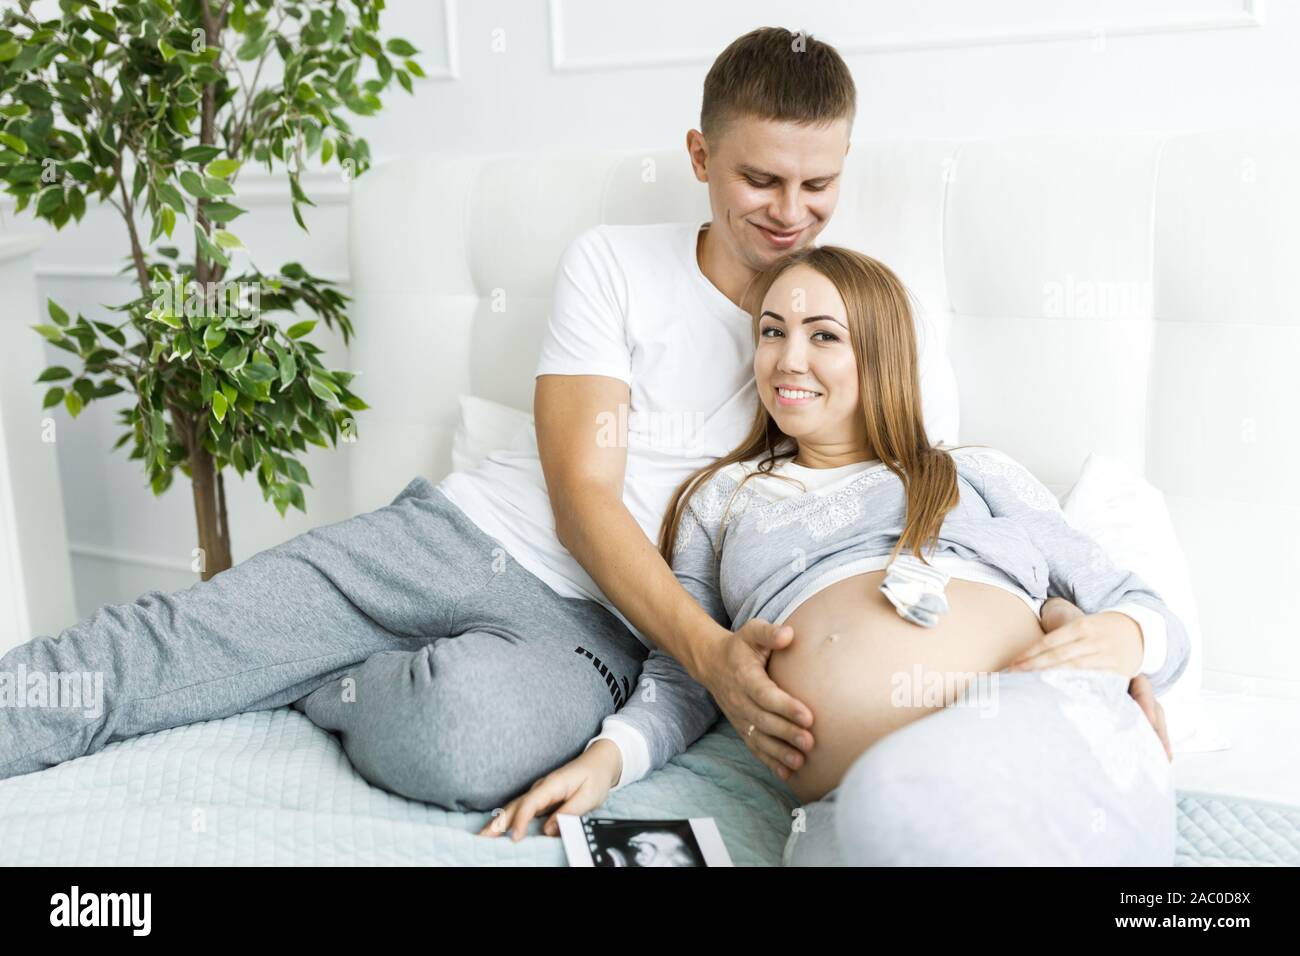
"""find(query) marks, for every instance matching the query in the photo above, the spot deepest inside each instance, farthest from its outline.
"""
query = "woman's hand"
(1056, 615)
(1109, 641)
(580, 785)
(1139, 688)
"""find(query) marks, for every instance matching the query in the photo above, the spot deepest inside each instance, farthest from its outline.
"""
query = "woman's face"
(804, 366)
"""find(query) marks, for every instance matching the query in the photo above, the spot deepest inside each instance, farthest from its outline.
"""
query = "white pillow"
(484, 427)
(1128, 517)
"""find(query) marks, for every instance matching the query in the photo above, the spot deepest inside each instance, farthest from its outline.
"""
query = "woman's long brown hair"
(883, 335)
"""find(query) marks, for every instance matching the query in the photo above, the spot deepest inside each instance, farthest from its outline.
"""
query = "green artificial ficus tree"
(153, 107)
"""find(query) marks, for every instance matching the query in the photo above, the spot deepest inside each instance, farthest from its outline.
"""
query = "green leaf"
(80, 171)
(222, 212)
(57, 314)
(9, 49)
(217, 187)
(14, 143)
(234, 358)
(76, 203)
(259, 372)
(322, 390)
(51, 332)
(208, 249)
(171, 196)
(50, 201)
(213, 336)
(52, 397)
(295, 188)
(72, 401)
(193, 184)
(219, 406)
(299, 329)
(399, 47)
(288, 365)
(201, 154)
(222, 168)
(112, 332)
(253, 48)
(294, 469)
(54, 373)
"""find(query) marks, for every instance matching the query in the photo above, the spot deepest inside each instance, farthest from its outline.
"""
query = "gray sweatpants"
(1058, 767)
(451, 674)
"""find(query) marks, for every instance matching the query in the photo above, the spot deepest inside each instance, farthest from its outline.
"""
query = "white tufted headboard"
(1130, 295)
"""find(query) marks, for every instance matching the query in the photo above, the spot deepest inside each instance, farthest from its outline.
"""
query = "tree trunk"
(209, 513)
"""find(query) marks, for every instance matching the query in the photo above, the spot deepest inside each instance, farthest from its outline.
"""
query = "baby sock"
(916, 590)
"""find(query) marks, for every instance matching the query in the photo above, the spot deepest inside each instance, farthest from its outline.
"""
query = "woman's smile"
(795, 396)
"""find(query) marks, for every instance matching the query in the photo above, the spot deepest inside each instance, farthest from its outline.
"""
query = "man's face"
(772, 185)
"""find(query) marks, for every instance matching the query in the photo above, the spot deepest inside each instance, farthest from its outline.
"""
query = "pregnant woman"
(955, 719)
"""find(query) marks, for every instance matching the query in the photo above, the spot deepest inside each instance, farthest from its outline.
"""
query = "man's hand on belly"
(770, 722)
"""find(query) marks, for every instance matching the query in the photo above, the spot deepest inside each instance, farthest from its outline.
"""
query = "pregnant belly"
(865, 672)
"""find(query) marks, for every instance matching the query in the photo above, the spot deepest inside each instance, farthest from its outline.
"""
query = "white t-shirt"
(631, 303)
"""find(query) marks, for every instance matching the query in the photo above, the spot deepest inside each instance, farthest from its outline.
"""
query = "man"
(465, 639)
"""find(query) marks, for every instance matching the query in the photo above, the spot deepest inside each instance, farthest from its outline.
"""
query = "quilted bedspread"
(270, 788)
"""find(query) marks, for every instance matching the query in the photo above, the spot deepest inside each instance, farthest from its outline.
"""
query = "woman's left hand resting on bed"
(580, 785)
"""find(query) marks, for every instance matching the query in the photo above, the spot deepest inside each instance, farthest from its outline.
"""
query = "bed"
(269, 788)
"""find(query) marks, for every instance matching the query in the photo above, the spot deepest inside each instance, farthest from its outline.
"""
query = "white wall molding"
(36, 592)
(1251, 13)
(100, 273)
(450, 70)
(118, 556)
(257, 187)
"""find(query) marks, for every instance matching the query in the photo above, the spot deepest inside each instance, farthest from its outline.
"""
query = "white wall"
(527, 75)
